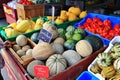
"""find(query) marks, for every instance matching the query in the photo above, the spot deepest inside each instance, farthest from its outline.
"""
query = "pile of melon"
(54, 55)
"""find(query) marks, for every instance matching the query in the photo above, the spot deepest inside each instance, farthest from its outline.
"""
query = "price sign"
(41, 71)
(44, 36)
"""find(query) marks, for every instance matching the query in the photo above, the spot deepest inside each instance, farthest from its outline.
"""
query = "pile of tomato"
(103, 28)
(25, 2)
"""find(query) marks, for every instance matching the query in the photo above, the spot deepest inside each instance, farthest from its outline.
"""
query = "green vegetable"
(70, 28)
(69, 44)
(61, 32)
(69, 34)
(80, 31)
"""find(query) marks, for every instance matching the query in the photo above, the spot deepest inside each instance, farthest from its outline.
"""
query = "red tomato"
(89, 20)
(107, 22)
(81, 26)
(95, 19)
(117, 27)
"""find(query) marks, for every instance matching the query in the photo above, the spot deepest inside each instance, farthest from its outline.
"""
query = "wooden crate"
(23, 62)
(27, 11)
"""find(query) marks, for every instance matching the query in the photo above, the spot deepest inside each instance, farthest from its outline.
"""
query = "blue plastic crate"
(86, 76)
(114, 20)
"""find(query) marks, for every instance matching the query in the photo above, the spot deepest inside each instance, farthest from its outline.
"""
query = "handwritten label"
(44, 36)
(41, 71)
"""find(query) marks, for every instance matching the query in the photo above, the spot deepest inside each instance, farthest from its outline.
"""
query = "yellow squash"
(10, 32)
(23, 25)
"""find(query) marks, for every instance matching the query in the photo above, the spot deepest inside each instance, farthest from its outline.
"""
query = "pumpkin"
(84, 48)
(95, 41)
(56, 64)
(42, 51)
(30, 67)
(21, 40)
(117, 64)
(71, 56)
(58, 48)
(52, 29)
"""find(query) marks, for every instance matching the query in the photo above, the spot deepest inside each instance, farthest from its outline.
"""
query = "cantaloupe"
(84, 48)
(30, 67)
(72, 57)
(21, 40)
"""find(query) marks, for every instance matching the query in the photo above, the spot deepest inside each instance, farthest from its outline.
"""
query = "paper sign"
(44, 36)
(41, 71)
(1, 43)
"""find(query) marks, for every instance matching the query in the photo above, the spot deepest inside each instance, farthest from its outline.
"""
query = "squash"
(84, 48)
(75, 10)
(52, 29)
(95, 41)
(34, 37)
(58, 48)
(21, 40)
(108, 72)
(59, 40)
(71, 56)
(13, 25)
(10, 32)
(117, 64)
(104, 59)
(59, 20)
(30, 67)
(56, 64)
(23, 25)
(29, 52)
(42, 51)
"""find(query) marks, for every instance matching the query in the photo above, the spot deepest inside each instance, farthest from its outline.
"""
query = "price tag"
(1, 43)
(41, 71)
(44, 36)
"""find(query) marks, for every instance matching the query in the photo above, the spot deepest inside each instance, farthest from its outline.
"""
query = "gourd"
(10, 32)
(59, 20)
(13, 25)
(75, 10)
(30, 67)
(84, 48)
(21, 40)
(42, 51)
(117, 64)
(108, 72)
(71, 56)
(23, 25)
(52, 29)
(95, 41)
(58, 48)
(59, 40)
(104, 59)
(56, 64)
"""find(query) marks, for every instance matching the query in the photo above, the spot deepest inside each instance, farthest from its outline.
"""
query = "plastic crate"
(4, 37)
(114, 40)
(113, 19)
(87, 76)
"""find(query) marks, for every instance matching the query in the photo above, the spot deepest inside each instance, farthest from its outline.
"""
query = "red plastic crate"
(10, 14)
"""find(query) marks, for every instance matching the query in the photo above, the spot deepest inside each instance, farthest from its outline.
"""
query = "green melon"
(95, 41)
